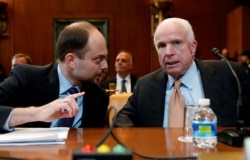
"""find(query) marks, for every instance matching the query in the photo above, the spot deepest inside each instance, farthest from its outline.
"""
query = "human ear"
(70, 59)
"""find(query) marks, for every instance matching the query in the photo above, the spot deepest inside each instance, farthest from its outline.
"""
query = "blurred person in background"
(245, 60)
(124, 64)
(20, 58)
(226, 54)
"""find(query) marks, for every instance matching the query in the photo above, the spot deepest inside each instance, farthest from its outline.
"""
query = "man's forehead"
(20, 59)
(123, 55)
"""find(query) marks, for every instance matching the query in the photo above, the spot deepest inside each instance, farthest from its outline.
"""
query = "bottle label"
(204, 129)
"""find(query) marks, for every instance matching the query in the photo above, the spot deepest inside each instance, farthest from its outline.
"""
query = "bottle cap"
(204, 101)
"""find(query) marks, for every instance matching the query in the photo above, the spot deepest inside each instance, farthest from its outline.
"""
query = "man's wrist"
(23, 115)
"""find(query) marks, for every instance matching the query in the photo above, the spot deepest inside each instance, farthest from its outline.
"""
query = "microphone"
(216, 52)
(233, 137)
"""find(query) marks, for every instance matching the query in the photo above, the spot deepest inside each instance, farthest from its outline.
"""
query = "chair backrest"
(117, 101)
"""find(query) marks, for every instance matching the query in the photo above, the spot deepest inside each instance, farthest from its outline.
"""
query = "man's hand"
(59, 108)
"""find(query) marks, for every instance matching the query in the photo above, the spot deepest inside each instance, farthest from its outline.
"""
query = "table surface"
(157, 142)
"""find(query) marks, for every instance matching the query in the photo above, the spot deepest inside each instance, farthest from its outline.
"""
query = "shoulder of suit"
(113, 79)
(157, 74)
(132, 76)
(29, 68)
(105, 83)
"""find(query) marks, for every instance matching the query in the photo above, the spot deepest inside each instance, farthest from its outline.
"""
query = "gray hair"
(184, 23)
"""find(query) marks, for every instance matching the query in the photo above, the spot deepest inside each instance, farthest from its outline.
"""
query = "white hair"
(186, 25)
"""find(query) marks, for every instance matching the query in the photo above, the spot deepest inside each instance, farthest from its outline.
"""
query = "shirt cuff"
(6, 126)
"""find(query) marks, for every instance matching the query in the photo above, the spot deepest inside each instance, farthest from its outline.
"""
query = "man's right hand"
(59, 108)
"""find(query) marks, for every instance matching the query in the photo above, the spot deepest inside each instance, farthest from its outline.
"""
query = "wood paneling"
(31, 27)
(234, 31)
(238, 30)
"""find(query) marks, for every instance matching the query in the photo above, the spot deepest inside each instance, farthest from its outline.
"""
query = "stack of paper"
(34, 136)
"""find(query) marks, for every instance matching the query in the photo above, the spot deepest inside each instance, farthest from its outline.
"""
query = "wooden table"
(149, 141)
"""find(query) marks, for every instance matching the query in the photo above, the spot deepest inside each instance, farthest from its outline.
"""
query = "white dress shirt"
(119, 83)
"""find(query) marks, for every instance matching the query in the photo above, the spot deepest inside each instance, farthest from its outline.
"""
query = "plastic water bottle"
(204, 124)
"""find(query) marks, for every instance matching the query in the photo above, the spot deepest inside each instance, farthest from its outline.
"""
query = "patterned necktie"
(176, 106)
(67, 122)
(123, 88)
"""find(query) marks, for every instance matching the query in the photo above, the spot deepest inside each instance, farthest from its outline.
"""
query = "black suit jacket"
(105, 84)
(146, 106)
(38, 85)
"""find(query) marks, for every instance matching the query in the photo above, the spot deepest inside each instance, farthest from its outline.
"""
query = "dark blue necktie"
(123, 88)
(67, 122)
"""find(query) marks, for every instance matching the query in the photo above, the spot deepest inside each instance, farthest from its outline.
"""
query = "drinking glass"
(189, 111)
(112, 88)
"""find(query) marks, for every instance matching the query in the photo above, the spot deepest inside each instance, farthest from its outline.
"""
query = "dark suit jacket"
(38, 85)
(146, 106)
(105, 84)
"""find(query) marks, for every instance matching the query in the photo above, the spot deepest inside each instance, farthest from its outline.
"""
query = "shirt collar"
(119, 79)
(63, 81)
(186, 79)
(190, 75)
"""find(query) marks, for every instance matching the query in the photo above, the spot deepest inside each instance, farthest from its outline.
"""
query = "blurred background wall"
(30, 26)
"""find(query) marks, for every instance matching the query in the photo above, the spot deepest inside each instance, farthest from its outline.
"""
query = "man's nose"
(104, 64)
(169, 50)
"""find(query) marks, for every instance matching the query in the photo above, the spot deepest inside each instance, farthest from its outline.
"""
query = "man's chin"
(171, 71)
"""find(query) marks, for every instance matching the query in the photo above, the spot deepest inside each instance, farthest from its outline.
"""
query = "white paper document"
(34, 136)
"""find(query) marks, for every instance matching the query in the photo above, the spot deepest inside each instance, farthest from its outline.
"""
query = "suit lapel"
(211, 82)
(157, 91)
(133, 81)
(51, 86)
